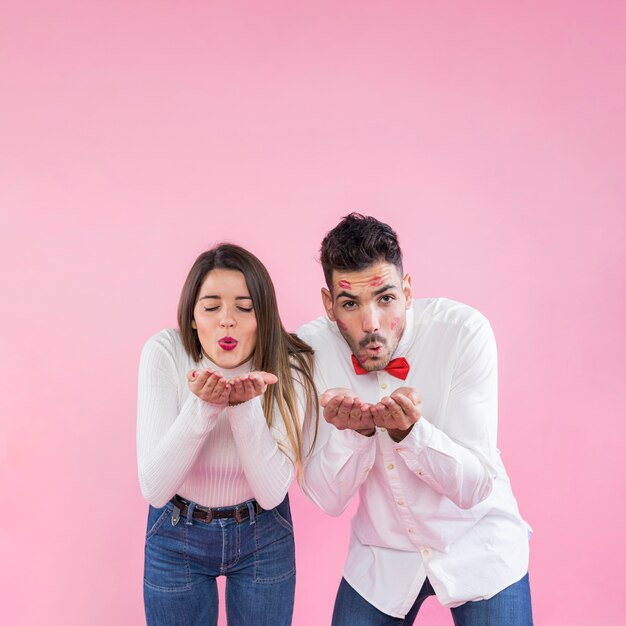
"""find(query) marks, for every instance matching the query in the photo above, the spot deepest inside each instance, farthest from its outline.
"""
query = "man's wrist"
(366, 432)
(399, 435)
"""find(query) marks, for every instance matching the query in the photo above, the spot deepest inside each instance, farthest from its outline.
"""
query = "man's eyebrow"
(220, 297)
(346, 294)
(383, 289)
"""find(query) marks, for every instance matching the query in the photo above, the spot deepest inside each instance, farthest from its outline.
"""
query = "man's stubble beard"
(375, 338)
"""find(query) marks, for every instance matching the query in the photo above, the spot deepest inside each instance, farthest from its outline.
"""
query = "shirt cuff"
(417, 440)
(352, 440)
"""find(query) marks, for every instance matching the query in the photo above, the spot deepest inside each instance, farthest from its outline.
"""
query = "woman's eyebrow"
(220, 297)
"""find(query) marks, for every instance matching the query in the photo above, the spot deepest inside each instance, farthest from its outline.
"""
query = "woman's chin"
(228, 359)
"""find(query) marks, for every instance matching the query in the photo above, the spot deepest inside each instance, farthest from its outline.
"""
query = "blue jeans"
(510, 607)
(183, 560)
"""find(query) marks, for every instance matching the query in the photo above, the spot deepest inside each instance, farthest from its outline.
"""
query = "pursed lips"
(227, 343)
(373, 350)
(373, 346)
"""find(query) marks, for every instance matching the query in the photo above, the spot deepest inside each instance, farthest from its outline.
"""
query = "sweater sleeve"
(169, 436)
(264, 452)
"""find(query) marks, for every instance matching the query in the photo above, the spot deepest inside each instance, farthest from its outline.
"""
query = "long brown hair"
(276, 350)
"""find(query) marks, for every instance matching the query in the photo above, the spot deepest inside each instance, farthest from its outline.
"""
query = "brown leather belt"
(240, 512)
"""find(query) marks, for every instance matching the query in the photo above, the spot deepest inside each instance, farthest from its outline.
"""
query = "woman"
(218, 444)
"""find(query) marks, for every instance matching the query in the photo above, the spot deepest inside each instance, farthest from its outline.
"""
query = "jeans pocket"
(283, 521)
(275, 561)
(282, 514)
(156, 517)
(166, 565)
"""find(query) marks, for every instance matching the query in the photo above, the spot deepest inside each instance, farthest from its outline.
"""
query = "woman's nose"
(227, 321)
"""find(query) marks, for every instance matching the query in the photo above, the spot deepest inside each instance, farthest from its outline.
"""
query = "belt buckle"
(205, 512)
(240, 514)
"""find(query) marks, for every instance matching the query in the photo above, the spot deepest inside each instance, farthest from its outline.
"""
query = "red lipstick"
(227, 343)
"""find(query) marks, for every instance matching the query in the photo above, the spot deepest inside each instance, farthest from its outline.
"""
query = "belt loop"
(251, 511)
(190, 507)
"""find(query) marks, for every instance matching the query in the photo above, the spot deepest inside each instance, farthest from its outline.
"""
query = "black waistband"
(239, 513)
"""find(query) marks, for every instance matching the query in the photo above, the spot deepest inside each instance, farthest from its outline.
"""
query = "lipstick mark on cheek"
(345, 284)
(341, 325)
(377, 281)
(394, 323)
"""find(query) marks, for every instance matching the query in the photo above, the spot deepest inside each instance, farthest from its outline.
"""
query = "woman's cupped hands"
(213, 387)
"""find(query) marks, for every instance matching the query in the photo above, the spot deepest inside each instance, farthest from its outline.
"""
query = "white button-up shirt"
(438, 504)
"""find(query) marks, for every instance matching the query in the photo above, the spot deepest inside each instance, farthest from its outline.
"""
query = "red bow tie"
(396, 367)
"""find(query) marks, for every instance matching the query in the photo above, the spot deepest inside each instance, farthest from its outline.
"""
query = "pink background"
(133, 135)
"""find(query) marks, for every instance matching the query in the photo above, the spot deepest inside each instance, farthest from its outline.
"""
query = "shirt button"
(400, 502)
(390, 466)
(420, 473)
(425, 552)
(383, 385)
(383, 430)
(411, 531)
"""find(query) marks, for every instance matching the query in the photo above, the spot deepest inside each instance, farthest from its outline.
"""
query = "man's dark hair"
(357, 242)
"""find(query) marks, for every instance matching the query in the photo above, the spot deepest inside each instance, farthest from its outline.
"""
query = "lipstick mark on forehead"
(345, 284)
(341, 325)
(377, 281)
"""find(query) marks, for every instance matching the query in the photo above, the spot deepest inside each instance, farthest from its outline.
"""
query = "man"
(410, 421)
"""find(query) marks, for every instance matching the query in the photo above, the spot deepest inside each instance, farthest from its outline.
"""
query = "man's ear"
(327, 300)
(407, 288)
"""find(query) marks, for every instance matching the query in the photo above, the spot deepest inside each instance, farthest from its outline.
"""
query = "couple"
(228, 413)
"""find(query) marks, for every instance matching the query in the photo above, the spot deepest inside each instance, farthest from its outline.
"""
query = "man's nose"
(370, 322)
